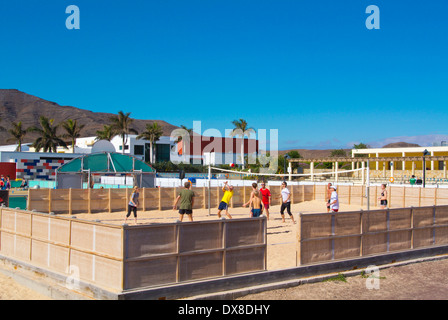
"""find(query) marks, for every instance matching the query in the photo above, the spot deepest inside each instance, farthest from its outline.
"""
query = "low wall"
(334, 236)
(120, 258)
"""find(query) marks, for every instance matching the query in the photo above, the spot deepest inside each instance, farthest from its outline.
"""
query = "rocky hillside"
(18, 106)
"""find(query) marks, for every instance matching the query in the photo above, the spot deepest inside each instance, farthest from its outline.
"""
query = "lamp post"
(286, 156)
(425, 153)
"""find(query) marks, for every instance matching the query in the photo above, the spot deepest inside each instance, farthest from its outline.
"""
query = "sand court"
(281, 237)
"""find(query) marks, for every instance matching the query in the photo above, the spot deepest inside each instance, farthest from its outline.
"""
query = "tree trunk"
(151, 152)
(242, 150)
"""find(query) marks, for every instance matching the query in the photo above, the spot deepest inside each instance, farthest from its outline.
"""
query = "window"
(139, 150)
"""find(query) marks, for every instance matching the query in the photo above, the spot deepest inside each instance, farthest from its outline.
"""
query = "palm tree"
(241, 129)
(152, 133)
(121, 125)
(17, 134)
(73, 131)
(105, 134)
(49, 139)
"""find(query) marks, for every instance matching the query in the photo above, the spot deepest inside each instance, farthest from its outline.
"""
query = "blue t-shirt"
(134, 197)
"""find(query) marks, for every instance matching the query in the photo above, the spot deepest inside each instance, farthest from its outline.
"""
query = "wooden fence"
(120, 258)
(326, 237)
(109, 200)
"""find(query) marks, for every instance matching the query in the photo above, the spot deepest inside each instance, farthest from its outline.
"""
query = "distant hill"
(310, 154)
(18, 106)
(401, 145)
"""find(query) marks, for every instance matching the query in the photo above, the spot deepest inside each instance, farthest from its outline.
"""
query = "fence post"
(389, 194)
(224, 246)
(49, 200)
(299, 240)
(204, 201)
(412, 227)
(361, 232)
(434, 225)
(292, 194)
(350, 194)
(333, 221)
(160, 198)
(404, 196)
(388, 228)
(89, 199)
(144, 200)
(419, 196)
(178, 226)
(70, 201)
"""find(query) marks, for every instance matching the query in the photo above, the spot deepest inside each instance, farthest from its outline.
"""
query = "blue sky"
(310, 69)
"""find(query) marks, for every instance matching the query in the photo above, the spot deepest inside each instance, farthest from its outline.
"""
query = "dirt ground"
(417, 281)
(428, 278)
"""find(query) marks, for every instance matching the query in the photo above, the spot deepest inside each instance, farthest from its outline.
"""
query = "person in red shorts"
(266, 198)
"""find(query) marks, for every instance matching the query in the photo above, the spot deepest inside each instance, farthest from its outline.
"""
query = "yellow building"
(404, 152)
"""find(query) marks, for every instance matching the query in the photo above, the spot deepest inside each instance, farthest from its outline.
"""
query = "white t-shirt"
(334, 196)
(285, 194)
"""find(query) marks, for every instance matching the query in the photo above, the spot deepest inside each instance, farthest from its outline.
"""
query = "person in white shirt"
(286, 202)
(334, 200)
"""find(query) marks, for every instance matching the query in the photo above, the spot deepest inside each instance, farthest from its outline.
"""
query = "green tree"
(121, 126)
(294, 154)
(152, 133)
(360, 146)
(73, 131)
(338, 153)
(241, 129)
(48, 139)
(17, 134)
(105, 134)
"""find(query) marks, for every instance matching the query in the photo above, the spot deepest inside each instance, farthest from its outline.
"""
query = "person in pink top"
(266, 198)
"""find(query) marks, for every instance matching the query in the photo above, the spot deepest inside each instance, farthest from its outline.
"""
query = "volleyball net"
(264, 175)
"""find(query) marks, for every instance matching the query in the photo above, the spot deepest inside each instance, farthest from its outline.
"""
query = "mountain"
(18, 106)
(315, 154)
(401, 145)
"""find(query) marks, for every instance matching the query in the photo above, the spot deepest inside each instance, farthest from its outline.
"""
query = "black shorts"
(286, 206)
(383, 202)
(185, 211)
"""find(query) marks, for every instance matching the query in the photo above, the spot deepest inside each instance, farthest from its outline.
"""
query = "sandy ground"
(281, 240)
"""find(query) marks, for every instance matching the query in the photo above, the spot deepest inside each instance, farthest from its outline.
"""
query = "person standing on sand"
(266, 198)
(225, 201)
(254, 202)
(186, 197)
(286, 202)
(383, 197)
(334, 200)
(133, 204)
(328, 196)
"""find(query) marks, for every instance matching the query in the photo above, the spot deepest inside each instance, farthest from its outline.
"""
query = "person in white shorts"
(334, 200)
